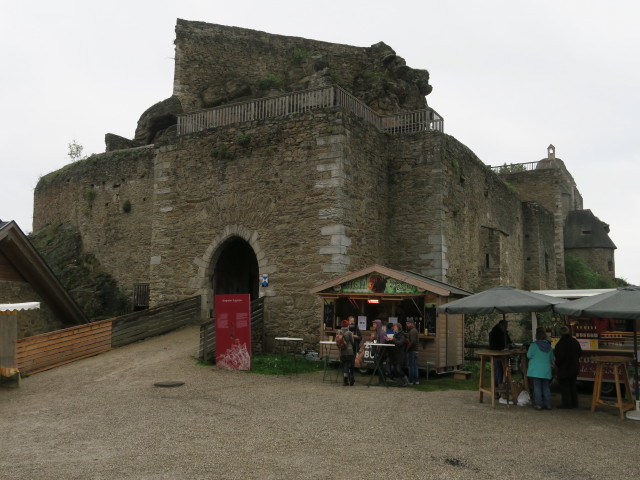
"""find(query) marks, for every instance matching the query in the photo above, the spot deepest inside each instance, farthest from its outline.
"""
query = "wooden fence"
(207, 351)
(49, 350)
(298, 102)
(155, 321)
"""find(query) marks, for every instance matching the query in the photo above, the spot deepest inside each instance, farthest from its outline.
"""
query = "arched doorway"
(236, 269)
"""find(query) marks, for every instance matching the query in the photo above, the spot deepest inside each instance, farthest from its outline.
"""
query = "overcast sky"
(508, 77)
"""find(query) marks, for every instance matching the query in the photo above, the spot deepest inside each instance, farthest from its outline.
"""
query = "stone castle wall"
(92, 194)
(306, 192)
(553, 188)
(316, 195)
(540, 271)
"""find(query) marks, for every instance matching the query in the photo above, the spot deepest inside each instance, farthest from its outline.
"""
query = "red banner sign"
(233, 331)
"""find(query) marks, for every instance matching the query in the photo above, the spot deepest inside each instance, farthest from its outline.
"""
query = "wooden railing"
(298, 102)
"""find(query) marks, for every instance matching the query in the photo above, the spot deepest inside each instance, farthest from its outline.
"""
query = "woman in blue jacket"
(540, 357)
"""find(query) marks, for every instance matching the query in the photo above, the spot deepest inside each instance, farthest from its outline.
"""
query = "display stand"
(326, 347)
(378, 367)
(619, 366)
(502, 356)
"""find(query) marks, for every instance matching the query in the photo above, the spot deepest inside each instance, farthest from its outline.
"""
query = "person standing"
(412, 353)
(347, 356)
(540, 357)
(379, 336)
(567, 355)
(399, 354)
(355, 331)
(499, 340)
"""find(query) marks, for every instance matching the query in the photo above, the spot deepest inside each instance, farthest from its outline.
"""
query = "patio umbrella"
(622, 303)
(502, 299)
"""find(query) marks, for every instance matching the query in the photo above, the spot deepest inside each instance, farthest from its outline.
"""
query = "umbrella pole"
(504, 333)
(635, 414)
(635, 358)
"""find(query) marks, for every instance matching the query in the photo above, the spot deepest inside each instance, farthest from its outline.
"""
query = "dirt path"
(103, 418)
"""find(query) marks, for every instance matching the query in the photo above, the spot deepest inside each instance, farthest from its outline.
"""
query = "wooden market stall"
(598, 337)
(379, 292)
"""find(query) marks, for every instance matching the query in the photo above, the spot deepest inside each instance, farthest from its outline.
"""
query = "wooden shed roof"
(18, 255)
(421, 282)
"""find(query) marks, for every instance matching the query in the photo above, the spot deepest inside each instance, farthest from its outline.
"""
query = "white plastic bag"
(524, 399)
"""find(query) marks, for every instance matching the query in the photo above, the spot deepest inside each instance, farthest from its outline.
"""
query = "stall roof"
(16, 307)
(421, 282)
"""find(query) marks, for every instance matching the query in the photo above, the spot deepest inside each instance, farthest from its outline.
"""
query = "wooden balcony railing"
(303, 101)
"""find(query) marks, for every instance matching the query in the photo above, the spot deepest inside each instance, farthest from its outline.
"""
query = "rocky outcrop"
(95, 291)
(116, 142)
(216, 64)
(156, 120)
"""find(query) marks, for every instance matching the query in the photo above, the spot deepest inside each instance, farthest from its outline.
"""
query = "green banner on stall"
(376, 283)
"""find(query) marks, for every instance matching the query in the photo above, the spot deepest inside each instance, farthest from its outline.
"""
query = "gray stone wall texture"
(553, 187)
(316, 194)
(216, 64)
(93, 194)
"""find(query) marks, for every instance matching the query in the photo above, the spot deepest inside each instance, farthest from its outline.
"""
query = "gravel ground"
(103, 418)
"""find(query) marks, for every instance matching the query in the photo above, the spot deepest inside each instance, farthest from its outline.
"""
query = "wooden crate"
(461, 375)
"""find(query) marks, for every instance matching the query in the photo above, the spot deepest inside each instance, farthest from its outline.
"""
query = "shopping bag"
(524, 399)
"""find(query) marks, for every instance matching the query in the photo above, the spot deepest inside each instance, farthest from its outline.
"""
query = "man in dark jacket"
(499, 340)
(567, 354)
(399, 354)
(412, 353)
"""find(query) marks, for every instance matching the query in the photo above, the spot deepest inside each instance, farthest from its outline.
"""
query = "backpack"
(341, 342)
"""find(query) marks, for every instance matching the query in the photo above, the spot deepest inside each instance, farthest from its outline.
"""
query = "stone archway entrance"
(230, 265)
(236, 269)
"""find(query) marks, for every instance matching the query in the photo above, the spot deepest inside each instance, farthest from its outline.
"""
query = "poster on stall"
(362, 322)
(233, 331)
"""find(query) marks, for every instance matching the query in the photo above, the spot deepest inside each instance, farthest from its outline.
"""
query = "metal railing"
(515, 167)
(298, 102)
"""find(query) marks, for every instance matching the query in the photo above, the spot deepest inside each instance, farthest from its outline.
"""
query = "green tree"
(75, 151)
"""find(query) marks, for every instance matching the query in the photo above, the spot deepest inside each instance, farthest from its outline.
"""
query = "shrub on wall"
(579, 275)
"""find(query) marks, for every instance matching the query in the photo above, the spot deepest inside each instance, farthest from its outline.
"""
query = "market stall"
(606, 325)
(392, 296)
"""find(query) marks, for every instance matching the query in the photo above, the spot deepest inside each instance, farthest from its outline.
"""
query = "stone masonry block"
(334, 268)
(333, 230)
(335, 249)
(330, 139)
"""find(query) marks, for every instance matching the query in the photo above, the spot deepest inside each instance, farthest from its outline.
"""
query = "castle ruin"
(303, 160)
